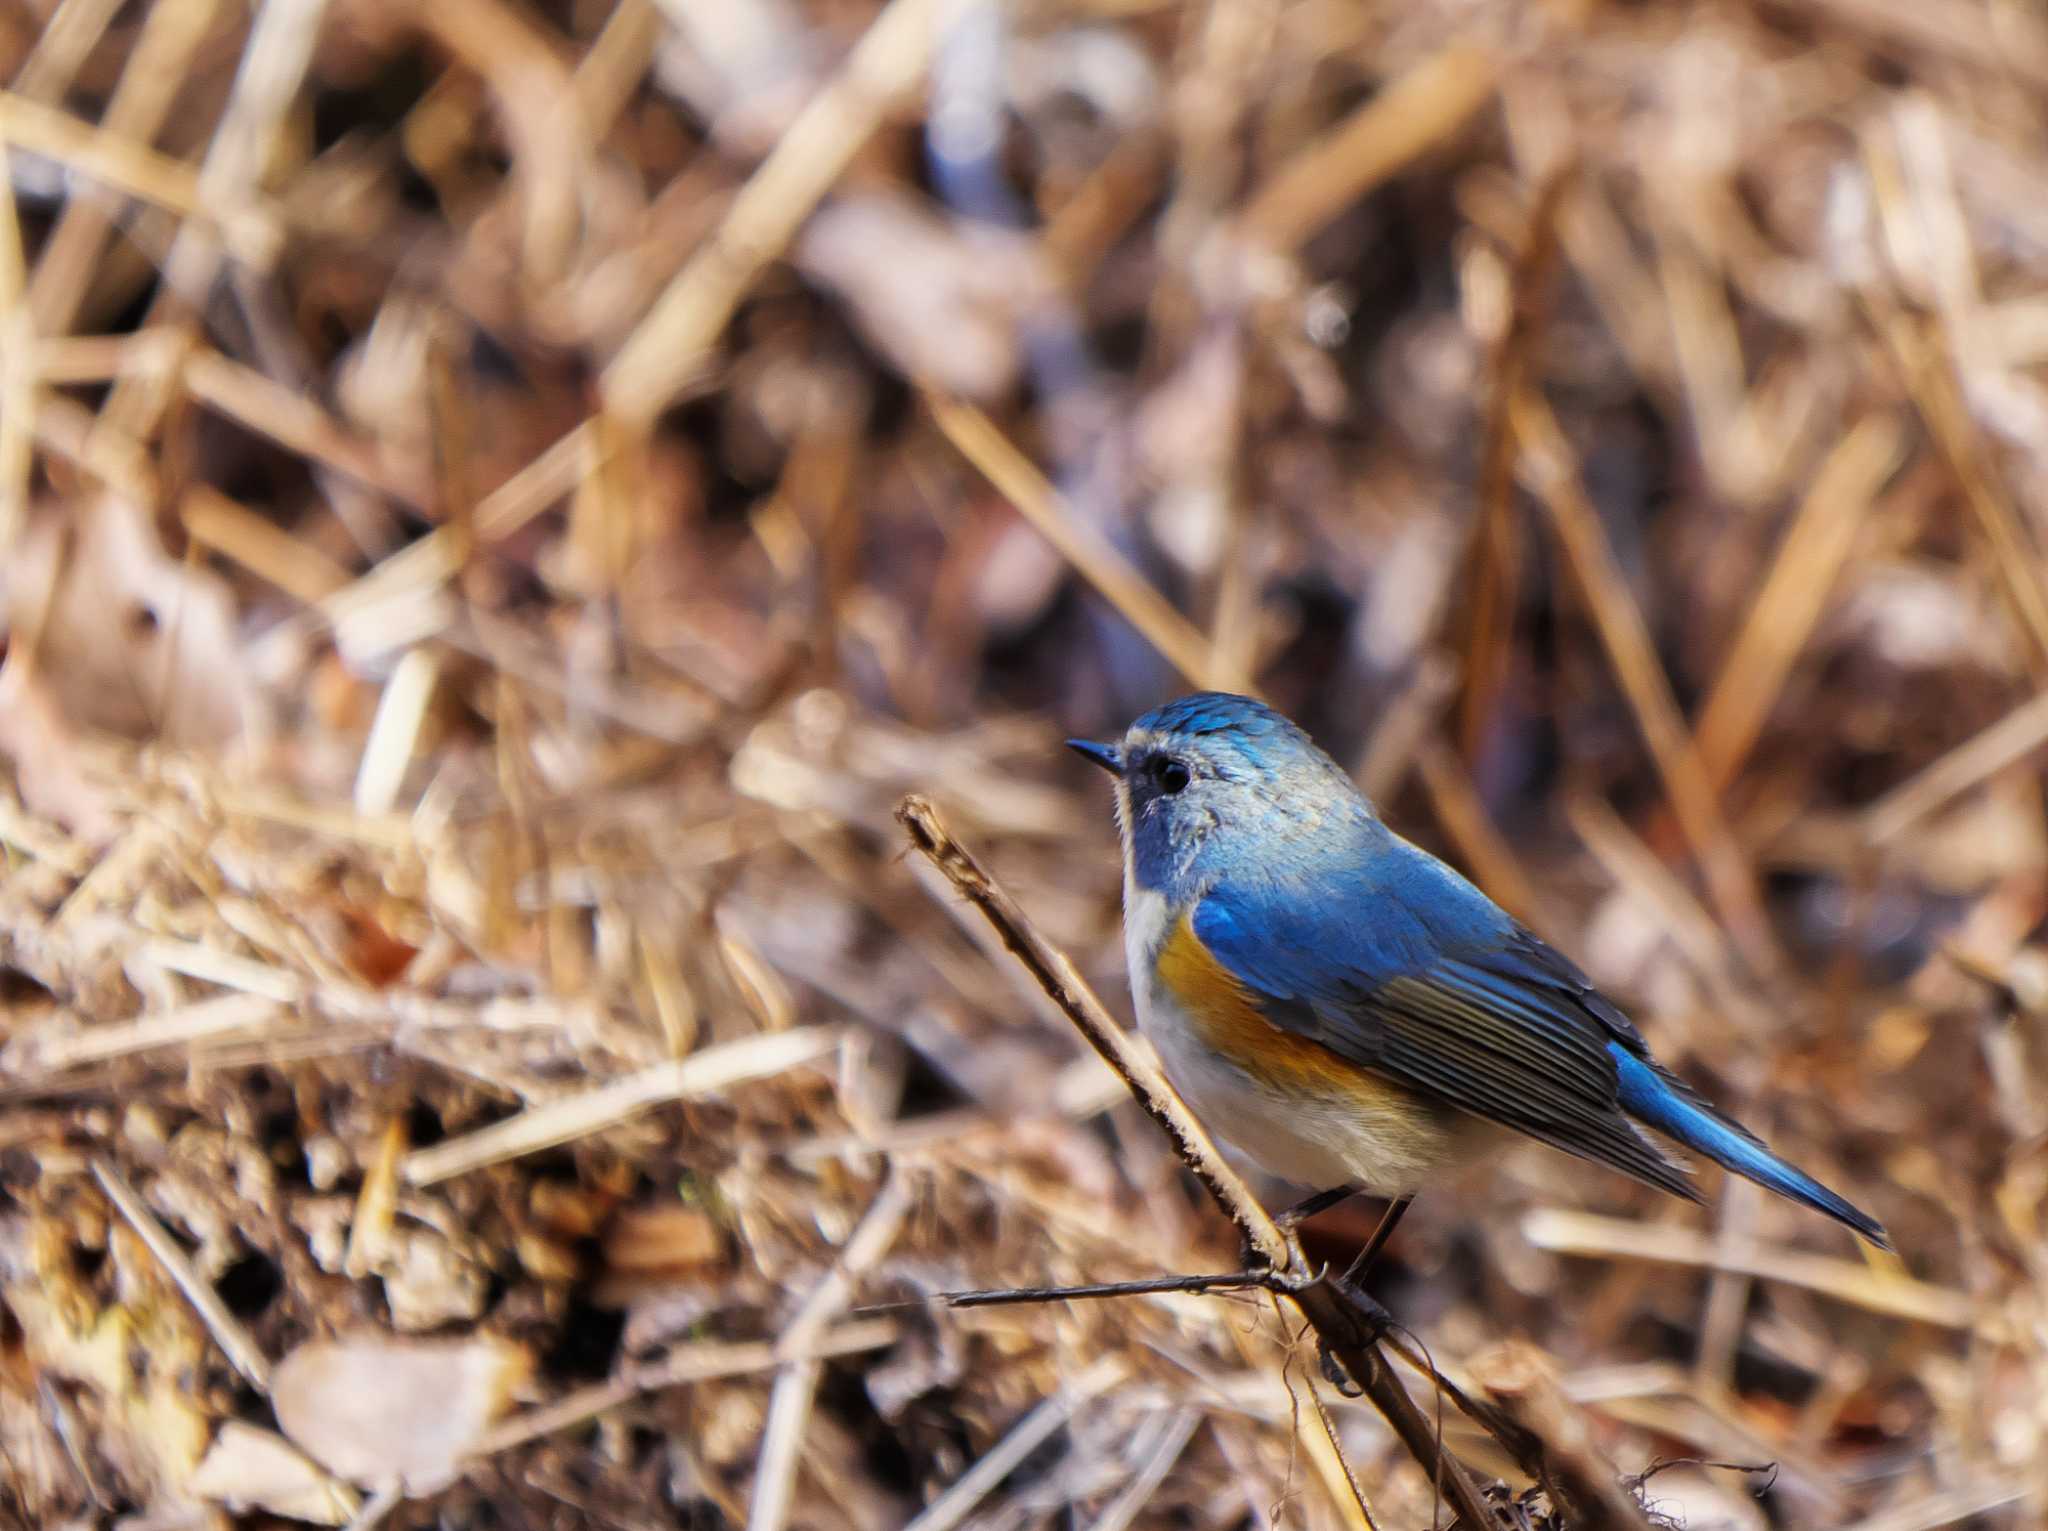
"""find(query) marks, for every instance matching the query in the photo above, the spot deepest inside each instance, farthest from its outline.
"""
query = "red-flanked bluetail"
(1347, 1009)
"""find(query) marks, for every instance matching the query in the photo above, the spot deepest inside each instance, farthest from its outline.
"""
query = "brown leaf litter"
(499, 502)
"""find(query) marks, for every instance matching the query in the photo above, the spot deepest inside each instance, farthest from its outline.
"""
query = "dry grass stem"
(2008, 741)
(796, 1387)
(670, 346)
(226, 1329)
(1460, 810)
(1879, 1291)
(575, 1116)
(706, 1361)
(1548, 459)
(1794, 594)
(1518, 1378)
(967, 1492)
(1013, 475)
(205, 1020)
(122, 165)
(20, 362)
(1408, 117)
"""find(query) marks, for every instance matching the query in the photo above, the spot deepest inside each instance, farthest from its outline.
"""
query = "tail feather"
(1659, 1101)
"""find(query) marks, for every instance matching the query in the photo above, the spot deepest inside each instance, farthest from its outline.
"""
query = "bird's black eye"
(1171, 775)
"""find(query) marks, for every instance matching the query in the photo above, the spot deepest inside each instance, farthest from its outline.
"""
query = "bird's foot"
(1370, 1320)
(1334, 1373)
(1367, 1311)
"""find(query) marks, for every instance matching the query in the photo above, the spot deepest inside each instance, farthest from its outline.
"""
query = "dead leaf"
(58, 773)
(379, 1410)
(132, 642)
(248, 1468)
(372, 952)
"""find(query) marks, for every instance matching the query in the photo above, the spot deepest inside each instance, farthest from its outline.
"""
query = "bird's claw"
(1300, 1281)
(1334, 1373)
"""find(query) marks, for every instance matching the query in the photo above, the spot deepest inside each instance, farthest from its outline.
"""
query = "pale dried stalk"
(233, 530)
(536, 102)
(18, 365)
(670, 345)
(205, 1020)
(67, 37)
(563, 1121)
(2010, 740)
(2014, 555)
(1081, 545)
(230, 971)
(1462, 812)
(1118, 1514)
(796, 1388)
(692, 1363)
(1404, 119)
(227, 1331)
(1520, 1378)
(267, 81)
(1950, 1507)
(297, 424)
(2010, 43)
(252, 233)
(1880, 1291)
(1025, 1437)
(150, 81)
(1548, 459)
(438, 557)
(1636, 868)
(228, 186)
(1794, 593)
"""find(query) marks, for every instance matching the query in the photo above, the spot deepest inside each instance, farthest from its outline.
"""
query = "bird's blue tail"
(1657, 1100)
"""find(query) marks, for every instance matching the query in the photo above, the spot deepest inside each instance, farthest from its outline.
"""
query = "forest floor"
(502, 499)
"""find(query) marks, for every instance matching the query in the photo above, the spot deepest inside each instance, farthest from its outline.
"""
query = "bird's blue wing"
(1402, 967)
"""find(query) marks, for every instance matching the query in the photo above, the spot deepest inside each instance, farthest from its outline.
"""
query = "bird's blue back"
(1315, 894)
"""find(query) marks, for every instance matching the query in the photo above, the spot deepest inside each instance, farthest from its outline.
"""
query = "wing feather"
(1417, 976)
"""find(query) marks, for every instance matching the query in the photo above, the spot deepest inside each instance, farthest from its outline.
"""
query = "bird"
(1351, 1012)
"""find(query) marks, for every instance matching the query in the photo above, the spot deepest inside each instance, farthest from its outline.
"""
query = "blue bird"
(1347, 1009)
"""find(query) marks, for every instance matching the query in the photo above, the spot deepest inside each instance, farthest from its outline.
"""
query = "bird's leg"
(1292, 1218)
(1322, 1201)
(1388, 1221)
(1298, 1214)
(1368, 1313)
(1369, 1321)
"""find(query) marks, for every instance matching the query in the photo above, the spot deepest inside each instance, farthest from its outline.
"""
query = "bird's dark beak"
(1108, 756)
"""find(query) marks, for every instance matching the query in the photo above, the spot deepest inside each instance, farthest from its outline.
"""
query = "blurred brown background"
(500, 499)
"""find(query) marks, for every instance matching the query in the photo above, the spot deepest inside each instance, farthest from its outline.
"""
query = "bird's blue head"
(1215, 782)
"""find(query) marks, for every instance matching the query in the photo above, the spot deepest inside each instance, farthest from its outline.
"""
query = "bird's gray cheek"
(1193, 835)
